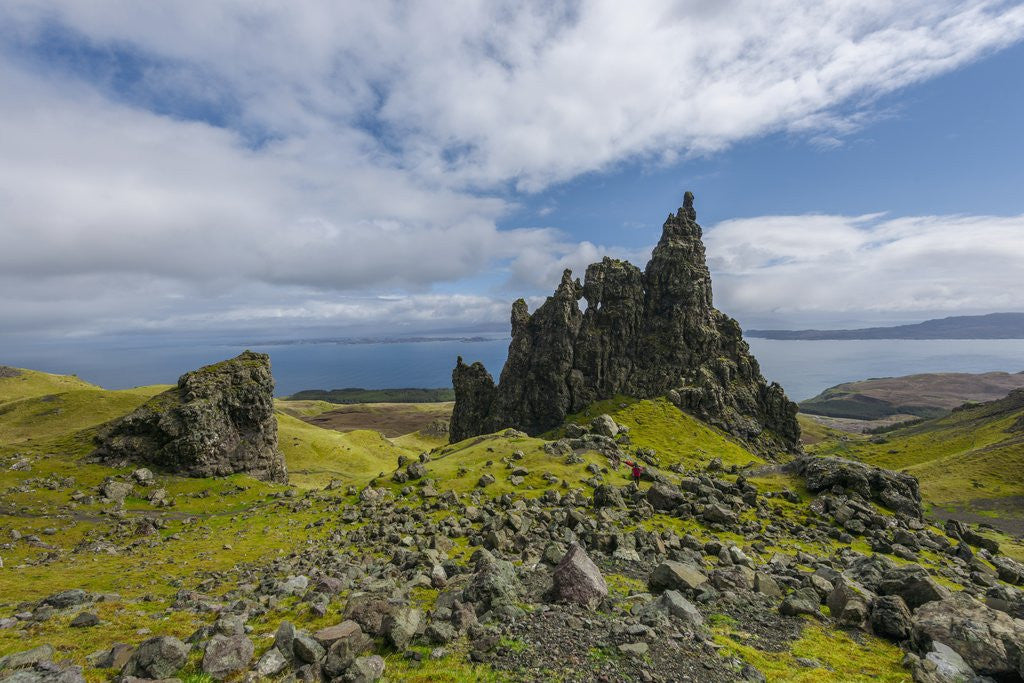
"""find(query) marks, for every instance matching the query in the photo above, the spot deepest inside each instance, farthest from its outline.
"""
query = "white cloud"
(368, 149)
(792, 266)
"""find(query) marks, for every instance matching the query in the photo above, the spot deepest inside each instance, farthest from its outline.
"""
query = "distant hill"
(356, 395)
(991, 326)
(926, 395)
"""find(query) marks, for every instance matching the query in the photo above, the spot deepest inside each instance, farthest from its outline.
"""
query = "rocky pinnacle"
(644, 334)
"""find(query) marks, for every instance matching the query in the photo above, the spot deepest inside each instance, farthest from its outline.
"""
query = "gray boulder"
(366, 669)
(990, 642)
(402, 625)
(891, 618)
(801, 601)
(226, 655)
(672, 602)
(604, 425)
(27, 658)
(68, 598)
(664, 497)
(271, 663)
(493, 582)
(158, 657)
(678, 576)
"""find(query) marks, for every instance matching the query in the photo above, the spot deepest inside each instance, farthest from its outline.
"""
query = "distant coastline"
(354, 341)
(991, 326)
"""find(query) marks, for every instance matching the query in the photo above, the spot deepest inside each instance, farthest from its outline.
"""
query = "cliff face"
(643, 334)
(219, 420)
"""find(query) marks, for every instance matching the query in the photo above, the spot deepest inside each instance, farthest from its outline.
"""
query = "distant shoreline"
(991, 326)
(353, 341)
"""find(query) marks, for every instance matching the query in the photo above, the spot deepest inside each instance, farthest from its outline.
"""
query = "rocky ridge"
(218, 420)
(643, 334)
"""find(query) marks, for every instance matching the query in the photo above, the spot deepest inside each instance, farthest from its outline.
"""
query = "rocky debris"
(218, 420)
(7, 372)
(390, 563)
(578, 580)
(643, 334)
(157, 658)
(990, 642)
(895, 490)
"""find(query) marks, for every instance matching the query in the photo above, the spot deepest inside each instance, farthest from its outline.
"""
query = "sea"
(803, 368)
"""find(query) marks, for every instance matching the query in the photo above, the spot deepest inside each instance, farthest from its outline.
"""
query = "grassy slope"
(675, 436)
(34, 383)
(965, 455)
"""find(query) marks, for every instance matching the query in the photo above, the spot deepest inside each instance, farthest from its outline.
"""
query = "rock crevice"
(643, 334)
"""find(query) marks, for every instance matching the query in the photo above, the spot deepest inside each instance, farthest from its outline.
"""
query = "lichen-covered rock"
(895, 490)
(643, 334)
(157, 658)
(218, 420)
(991, 642)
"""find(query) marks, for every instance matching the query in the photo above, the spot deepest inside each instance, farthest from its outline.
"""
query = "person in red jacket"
(637, 471)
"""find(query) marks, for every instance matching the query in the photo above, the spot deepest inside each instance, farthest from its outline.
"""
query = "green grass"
(30, 383)
(846, 660)
(675, 436)
(315, 455)
(42, 417)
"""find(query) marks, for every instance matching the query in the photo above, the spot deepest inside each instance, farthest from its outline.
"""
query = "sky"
(294, 169)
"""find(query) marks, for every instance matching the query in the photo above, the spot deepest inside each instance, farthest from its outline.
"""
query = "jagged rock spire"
(643, 334)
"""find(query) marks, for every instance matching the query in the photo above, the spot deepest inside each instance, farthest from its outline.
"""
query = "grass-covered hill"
(925, 395)
(438, 559)
(971, 459)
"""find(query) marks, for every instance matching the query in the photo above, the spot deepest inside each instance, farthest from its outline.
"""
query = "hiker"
(637, 471)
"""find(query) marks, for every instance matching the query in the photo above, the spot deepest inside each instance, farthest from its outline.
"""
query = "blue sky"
(315, 169)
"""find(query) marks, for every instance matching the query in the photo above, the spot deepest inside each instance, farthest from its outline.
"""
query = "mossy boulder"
(218, 420)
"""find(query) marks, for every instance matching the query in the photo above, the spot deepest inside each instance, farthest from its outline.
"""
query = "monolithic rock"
(218, 420)
(643, 334)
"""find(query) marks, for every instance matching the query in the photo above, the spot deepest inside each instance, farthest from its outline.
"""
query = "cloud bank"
(268, 164)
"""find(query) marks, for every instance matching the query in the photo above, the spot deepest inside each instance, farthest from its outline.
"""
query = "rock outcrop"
(897, 491)
(644, 334)
(218, 420)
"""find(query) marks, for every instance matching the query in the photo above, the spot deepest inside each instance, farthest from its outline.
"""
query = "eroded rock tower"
(644, 334)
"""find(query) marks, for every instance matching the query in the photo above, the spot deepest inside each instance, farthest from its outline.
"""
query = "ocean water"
(804, 368)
